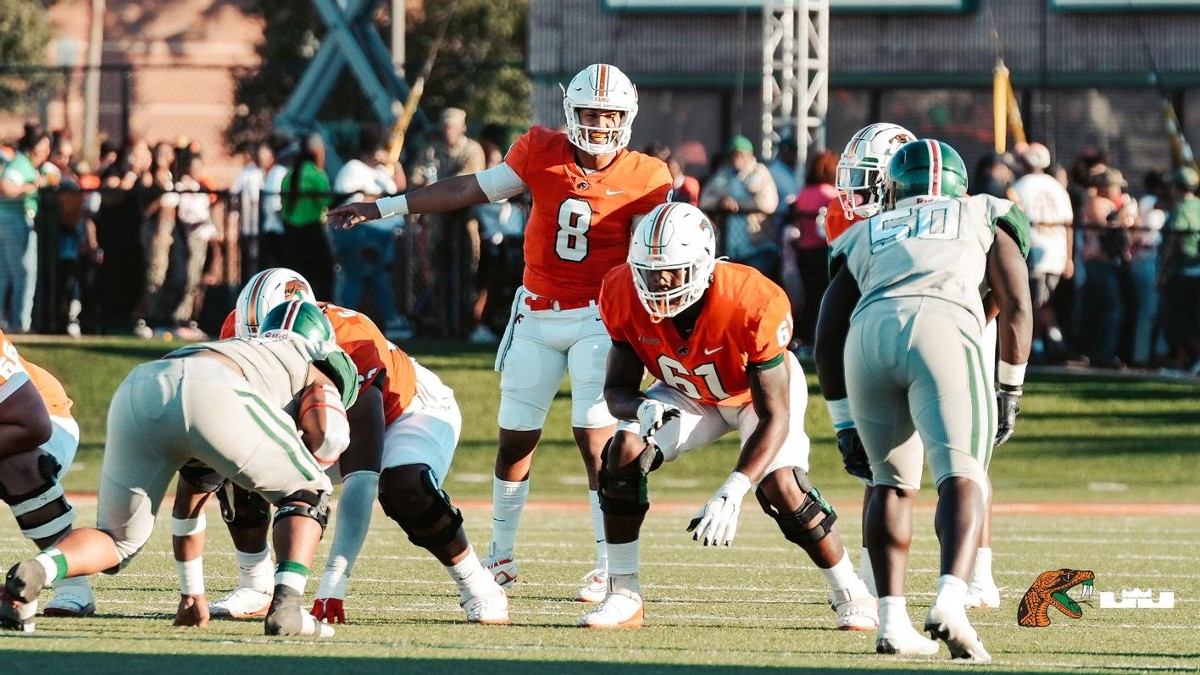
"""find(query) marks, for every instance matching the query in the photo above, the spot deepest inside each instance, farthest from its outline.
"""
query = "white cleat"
(595, 586)
(490, 609)
(982, 596)
(72, 597)
(620, 608)
(855, 607)
(956, 631)
(241, 603)
(906, 642)
(502, 567)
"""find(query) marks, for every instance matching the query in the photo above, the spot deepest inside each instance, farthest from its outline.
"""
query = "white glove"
(653, 415)
(716, 523)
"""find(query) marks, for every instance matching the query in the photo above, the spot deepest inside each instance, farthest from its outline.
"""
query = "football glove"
(716, 522)
(854, 455)
(653, 415)
(1008, 404)
(329, 610)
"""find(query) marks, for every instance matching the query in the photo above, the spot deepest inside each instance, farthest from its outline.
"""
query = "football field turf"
(1102, 476)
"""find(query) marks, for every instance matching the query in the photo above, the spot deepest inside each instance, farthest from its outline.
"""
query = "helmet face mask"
(263, 292)
(926, 168)
(672, 257)
(296, 318)
(600, 87)
(862, 168)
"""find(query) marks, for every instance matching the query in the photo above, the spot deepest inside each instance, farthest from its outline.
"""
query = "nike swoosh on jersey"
(709, 352)
(613, 192)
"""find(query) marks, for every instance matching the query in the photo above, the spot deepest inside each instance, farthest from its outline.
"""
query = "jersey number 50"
(935, 220)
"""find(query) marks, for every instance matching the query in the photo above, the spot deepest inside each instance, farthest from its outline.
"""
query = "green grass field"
(1102, 475)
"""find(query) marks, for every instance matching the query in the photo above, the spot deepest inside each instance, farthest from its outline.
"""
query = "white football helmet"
(602, 87)
(678, 237)
(862, 168)
(263, 292)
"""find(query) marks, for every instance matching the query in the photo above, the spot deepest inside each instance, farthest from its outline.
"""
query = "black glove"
(1008, 404)
(854, 455)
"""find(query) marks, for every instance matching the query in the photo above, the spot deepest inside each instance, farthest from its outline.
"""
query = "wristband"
(191, 576)
(738, 483)
(392, 206)
(183, 527)
(1010, 376)
(839, 412)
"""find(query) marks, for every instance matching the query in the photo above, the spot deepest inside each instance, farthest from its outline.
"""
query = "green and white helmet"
(926, 167)
(862, 167)
(264, 292)
(297, 318)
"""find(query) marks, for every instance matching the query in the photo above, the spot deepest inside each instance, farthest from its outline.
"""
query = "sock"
(291, 574)
(470, 577)
(256, 570)
(508, 501)
(359, 492)
(893, 616)
(54, 563)
(950, 593)
(981, 571)
(624, 558)
(842, 575)
(866, 572)
(598, 529)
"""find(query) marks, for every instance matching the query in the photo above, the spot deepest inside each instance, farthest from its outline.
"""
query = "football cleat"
(18, 598)
(490, 609)
(287, 617)
(329, 610)
(621, 608)
(982, 596)
(955, 630)
(72, 597)
(911, 643)
(502, 567)
(595, 586)
(241, 603)
(855, 607)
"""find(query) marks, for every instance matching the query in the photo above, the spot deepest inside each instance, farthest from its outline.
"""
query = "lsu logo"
(1050, 590)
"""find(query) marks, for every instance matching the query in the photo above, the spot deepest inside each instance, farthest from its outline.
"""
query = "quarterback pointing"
(714, 336)
(587, 189)
(269, 413)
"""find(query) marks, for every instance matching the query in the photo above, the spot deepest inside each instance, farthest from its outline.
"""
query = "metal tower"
(795, 70)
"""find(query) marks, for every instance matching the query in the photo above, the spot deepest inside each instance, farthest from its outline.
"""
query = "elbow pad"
(335, 425)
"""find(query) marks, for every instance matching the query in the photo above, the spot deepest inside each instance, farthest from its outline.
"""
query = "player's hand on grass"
(193, 611)
(653, 416)
(329, 610)
(349, 215)
(716, 522)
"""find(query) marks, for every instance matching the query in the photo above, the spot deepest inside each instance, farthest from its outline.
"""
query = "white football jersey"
(929, 247)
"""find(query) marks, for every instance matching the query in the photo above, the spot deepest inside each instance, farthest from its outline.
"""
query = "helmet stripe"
(601, 80)
(255, 296)
(935, 166)
(657, 232)
(293, 312)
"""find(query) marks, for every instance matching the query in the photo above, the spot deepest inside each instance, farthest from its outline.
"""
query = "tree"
(480, 66)
(24, 34)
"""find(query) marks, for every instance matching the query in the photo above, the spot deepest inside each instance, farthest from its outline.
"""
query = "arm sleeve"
(500, 182)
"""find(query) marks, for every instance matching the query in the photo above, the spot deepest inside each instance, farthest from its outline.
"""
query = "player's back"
(580, 224)
(58, 404)
(935, 247)
(277, 368)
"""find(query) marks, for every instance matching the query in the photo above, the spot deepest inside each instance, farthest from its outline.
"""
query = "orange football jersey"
(16, 371)
(836, 222)
(746, 319)
(581, 223)
(372, 354)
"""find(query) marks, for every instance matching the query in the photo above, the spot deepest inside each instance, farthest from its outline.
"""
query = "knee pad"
(241, 508)
(627, 492)
(202, 478)
(794, 525)
(315, 506)
(42, 512)
(433, 526)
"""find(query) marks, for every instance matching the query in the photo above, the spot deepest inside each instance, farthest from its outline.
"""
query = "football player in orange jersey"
(862, 191)
(405, 421)
(714, 335)
(587, 189)
(38, 440)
